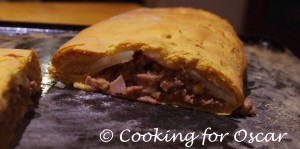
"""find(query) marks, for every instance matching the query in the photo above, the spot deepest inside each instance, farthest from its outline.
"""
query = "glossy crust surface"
(185, 38)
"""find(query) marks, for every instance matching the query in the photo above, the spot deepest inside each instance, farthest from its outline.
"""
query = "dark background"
(277, 19)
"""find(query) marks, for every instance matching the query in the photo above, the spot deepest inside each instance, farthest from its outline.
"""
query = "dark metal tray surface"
(69, 118)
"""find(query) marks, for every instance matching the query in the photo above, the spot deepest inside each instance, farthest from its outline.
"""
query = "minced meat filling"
(144, 80)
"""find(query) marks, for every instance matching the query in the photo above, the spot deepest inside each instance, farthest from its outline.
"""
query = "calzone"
(180, 56)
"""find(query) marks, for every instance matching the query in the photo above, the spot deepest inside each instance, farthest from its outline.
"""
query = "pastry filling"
(145, 80)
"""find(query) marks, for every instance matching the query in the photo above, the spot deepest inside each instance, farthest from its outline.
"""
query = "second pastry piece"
(20, 78)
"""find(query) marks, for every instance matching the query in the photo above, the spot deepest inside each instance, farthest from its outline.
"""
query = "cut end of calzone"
(181, 56)
(20, 79)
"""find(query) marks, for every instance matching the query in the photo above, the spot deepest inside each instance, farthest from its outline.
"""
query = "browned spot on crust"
(14, 55)
(173, 44)
(167, 36)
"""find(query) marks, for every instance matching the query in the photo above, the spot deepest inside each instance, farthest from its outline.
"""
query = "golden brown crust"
(184, 37)
(19, 70)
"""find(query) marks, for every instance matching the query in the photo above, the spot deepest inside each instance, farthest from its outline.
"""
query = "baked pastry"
(181, 56)
(20, 79)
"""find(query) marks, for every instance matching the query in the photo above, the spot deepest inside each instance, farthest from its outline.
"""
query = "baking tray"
(69, 118)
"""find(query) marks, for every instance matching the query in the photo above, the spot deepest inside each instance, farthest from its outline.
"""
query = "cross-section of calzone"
(181, 56)
(20, 78)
